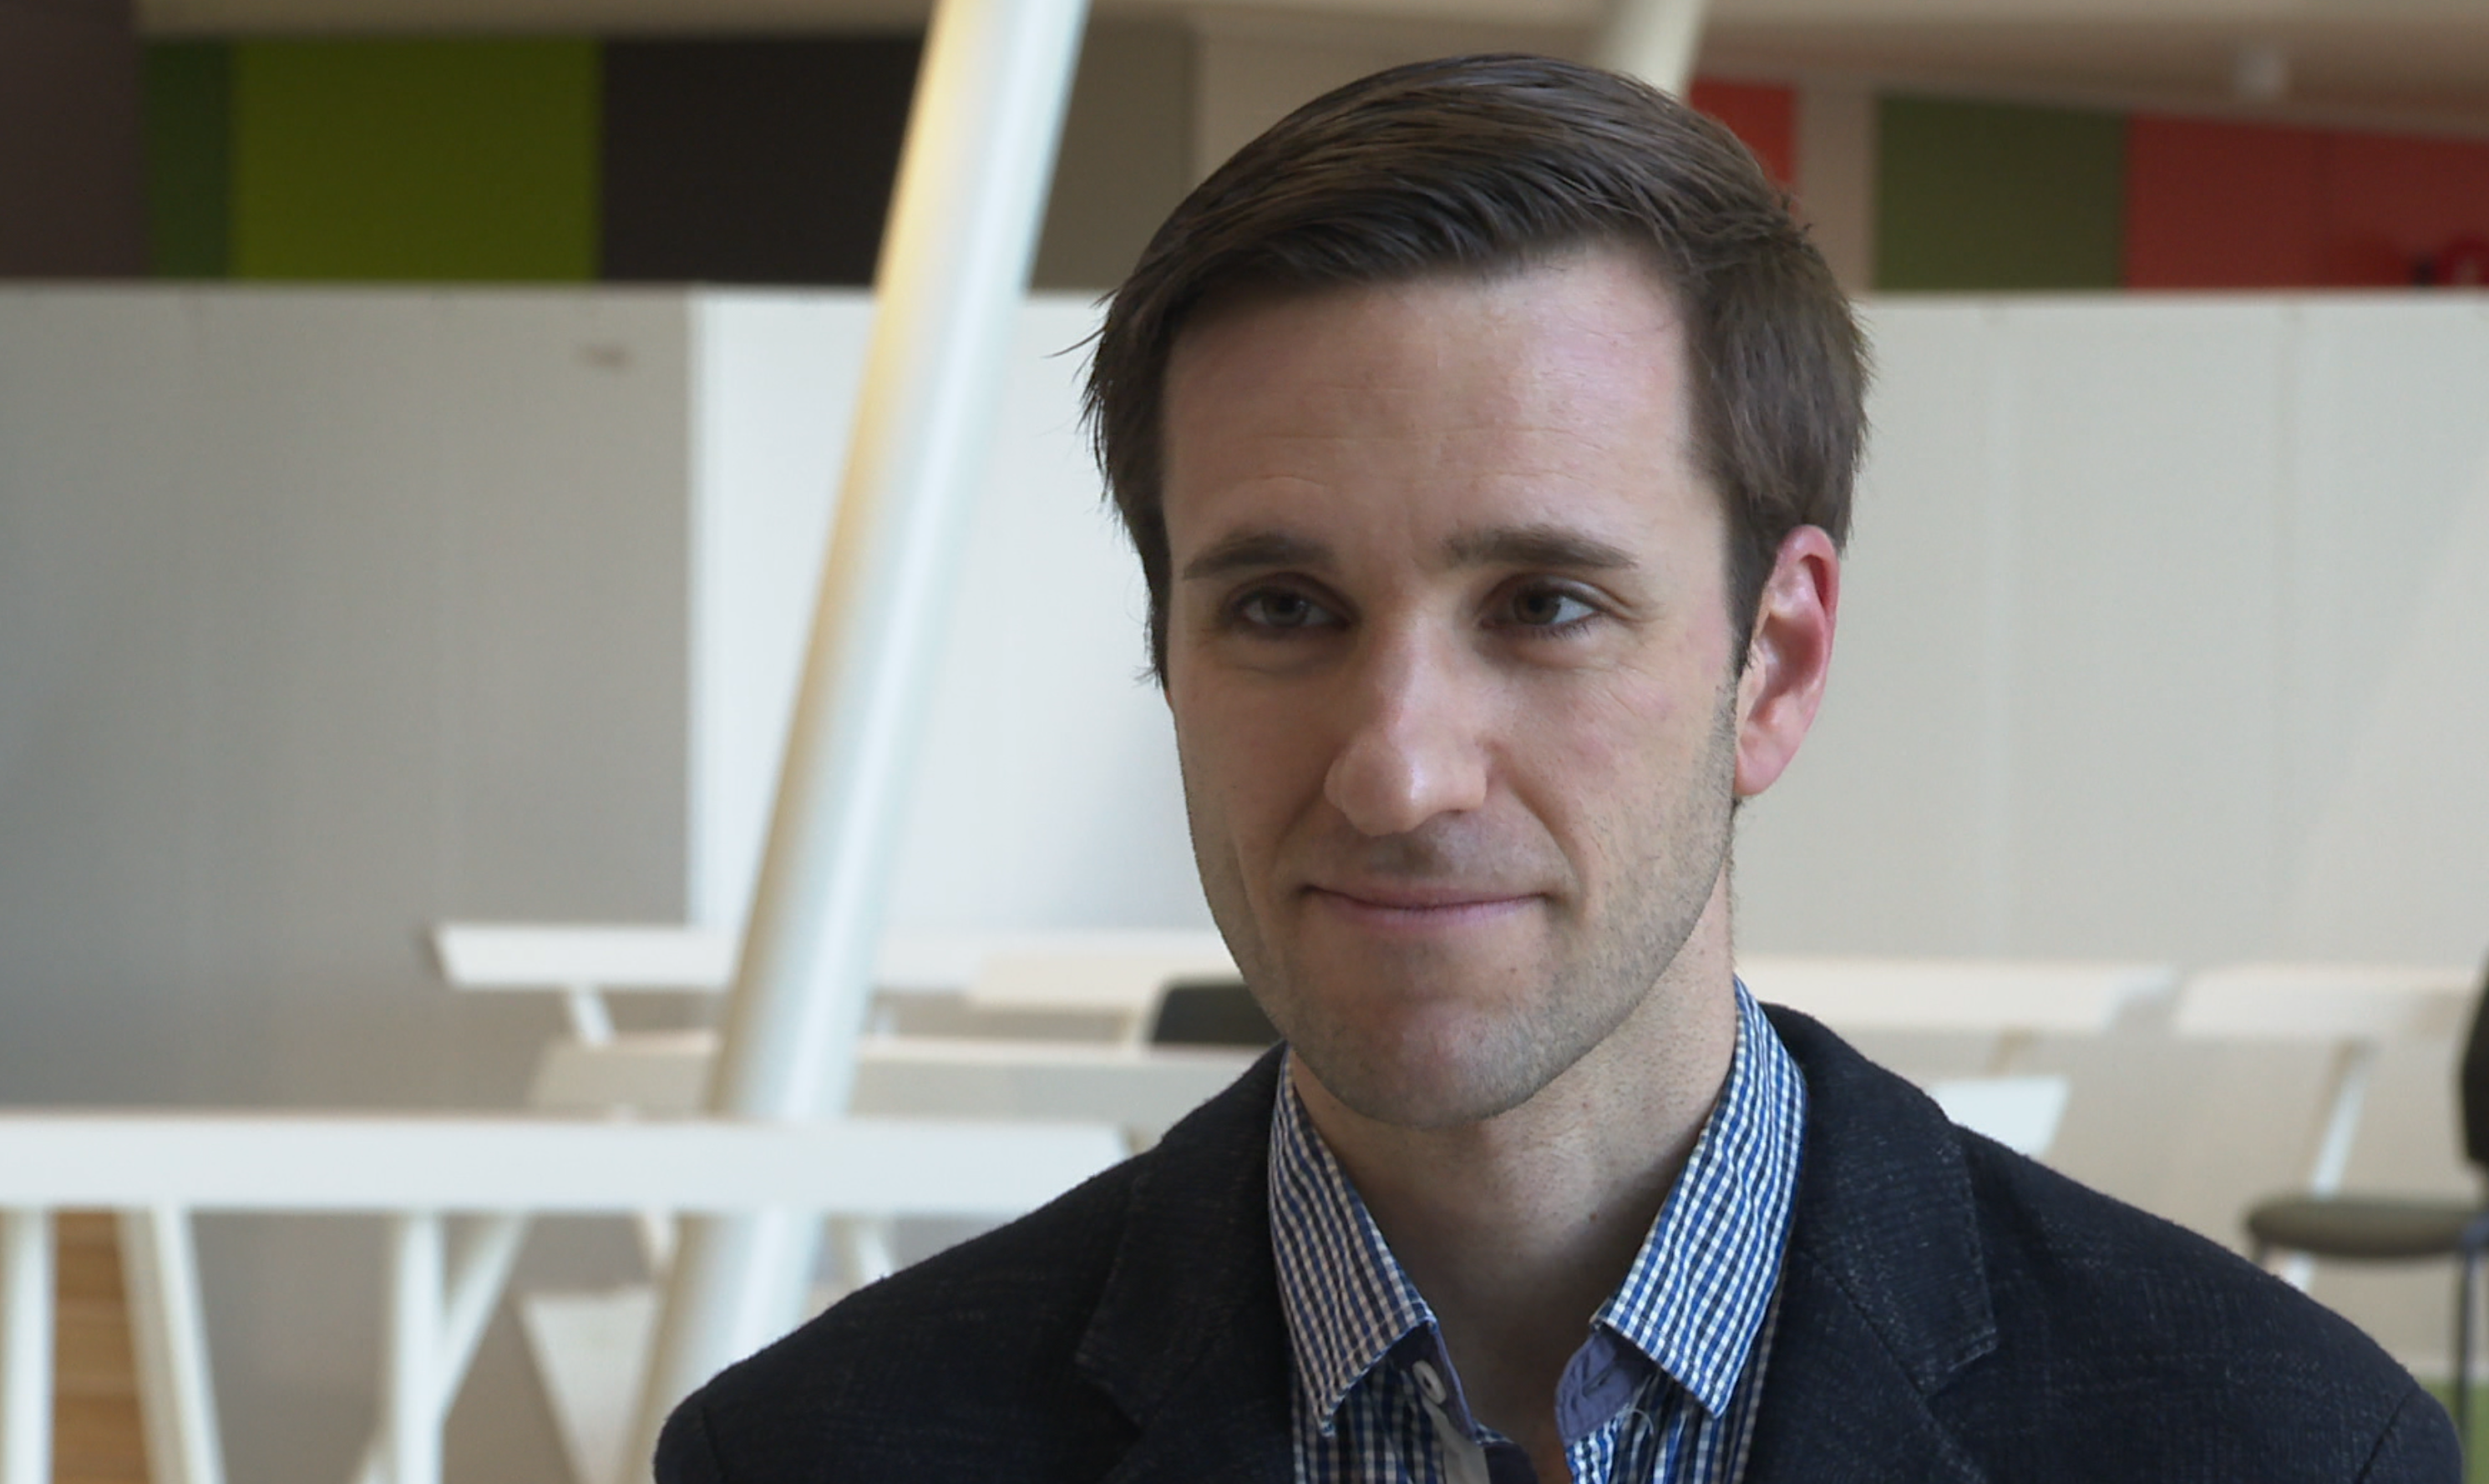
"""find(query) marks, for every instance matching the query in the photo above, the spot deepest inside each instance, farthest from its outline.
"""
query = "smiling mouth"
(1418, 907)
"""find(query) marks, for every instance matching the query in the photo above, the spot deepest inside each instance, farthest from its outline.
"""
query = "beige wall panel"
(1254, 71)
(2386, 799)
(1836, 174)
(2145, 724)
(1879, 839)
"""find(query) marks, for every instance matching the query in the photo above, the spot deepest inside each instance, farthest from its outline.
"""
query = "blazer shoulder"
(2214, 1367)
(2047, 1331)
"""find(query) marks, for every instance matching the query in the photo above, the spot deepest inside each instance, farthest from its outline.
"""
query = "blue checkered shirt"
(1664, 1389)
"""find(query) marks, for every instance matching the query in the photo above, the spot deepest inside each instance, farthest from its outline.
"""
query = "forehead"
(1530, 394)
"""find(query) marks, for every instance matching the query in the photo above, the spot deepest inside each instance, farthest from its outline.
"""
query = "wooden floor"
(98, 1436)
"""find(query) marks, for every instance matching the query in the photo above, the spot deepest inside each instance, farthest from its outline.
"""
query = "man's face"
(1449, 658)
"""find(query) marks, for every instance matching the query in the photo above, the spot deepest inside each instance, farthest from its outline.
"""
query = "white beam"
(1654, 40)
(971, 193)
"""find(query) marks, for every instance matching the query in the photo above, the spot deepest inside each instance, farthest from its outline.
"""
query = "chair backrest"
(2472, 1090)
(1211, 1012)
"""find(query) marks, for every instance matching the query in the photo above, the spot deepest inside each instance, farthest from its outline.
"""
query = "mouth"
(1416, 906)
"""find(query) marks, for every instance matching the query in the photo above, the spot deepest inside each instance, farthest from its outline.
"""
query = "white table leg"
(26, 1353)
(480, 1261)
(412, 1404)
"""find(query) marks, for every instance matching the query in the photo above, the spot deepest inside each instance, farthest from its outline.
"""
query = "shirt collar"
(1701, 1285)
(1691, 1303)
(1346, 1298)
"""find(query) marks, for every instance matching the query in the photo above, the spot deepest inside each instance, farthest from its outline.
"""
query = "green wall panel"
(416, 159)
(1984, 196)
(189, 157)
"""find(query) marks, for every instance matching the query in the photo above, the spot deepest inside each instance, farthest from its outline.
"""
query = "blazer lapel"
(1836, 1407)
(1188, 1338)
(1884, 1291)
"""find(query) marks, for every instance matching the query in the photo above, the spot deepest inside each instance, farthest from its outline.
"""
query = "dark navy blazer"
(1951, 1311)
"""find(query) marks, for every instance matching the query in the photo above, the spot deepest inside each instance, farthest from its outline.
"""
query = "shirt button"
(1428, 1381)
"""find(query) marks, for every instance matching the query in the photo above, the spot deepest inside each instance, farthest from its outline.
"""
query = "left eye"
(1548, 608)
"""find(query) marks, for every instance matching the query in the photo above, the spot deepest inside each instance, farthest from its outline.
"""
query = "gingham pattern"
(1665, 1388)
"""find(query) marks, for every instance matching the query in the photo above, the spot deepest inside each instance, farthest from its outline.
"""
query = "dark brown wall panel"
(751, 161)
(1126, 156)
(72, 174)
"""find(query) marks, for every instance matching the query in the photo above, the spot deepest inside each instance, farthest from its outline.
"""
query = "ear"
(1787, 658)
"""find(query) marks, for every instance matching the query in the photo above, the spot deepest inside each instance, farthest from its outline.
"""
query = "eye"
(1281, 609)
(1544, 607)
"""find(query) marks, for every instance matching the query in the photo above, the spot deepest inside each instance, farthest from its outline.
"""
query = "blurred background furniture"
(2356, 1010)
(158, 1169)
(1043, 1029)
(2378, 1228)
(2010, 1003)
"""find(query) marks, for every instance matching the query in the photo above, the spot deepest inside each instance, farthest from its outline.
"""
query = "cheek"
(1598, 732)
(1613, 768)
(1242, 760)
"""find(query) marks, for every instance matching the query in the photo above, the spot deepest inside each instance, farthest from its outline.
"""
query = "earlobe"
(1787, 658)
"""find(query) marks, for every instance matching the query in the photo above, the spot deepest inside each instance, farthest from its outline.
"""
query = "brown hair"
(1487, 163)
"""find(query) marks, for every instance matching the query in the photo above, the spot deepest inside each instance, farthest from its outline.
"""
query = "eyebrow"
(1504, 546)
(1536, 545)
(1254, 551)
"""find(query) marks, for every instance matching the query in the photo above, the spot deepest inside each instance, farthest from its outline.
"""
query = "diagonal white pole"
(1654, 40)
(973, 182)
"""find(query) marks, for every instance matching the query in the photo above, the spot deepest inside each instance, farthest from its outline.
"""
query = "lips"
(1417, 897)
(1404, 907)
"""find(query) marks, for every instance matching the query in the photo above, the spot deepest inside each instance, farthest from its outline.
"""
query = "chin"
(1457, 1072)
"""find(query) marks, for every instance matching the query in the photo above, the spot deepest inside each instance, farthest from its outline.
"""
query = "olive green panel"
(423, 159)
(1986, 196)
(188, 98)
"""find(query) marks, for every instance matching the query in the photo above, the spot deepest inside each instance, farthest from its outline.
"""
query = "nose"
(1413, 748)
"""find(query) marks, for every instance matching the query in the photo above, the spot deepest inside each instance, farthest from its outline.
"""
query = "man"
(1486, 432)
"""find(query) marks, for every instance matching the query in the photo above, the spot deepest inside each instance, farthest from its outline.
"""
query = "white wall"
(2162, 638)
(324, 615)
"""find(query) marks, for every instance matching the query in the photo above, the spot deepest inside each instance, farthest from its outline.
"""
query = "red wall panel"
(2250, 205)
(1761, 114)
(2391, 201)
(2222, 205)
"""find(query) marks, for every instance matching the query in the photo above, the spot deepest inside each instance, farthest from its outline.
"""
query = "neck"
(1516, 1229)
